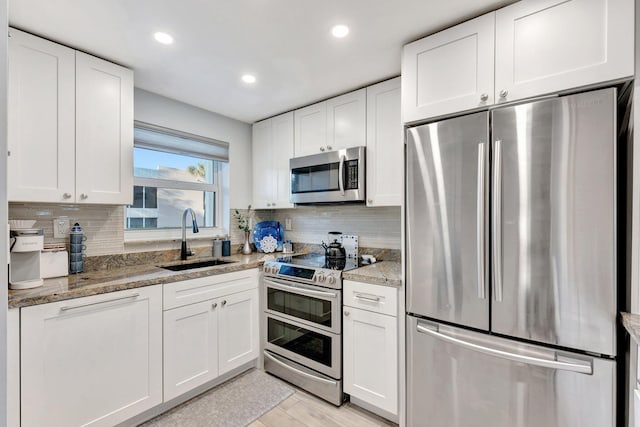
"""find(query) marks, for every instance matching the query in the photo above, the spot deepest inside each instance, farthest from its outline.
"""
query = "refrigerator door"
(447, 174)
(554, 221)
(460, 378)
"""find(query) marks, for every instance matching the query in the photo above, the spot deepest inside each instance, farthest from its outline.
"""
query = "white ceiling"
(285, 43)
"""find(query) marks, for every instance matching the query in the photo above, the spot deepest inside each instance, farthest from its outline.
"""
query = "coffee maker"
(24, 267)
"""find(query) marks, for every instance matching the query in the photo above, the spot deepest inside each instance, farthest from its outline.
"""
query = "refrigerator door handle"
(480, 226)
(568, 364)
(497, 221)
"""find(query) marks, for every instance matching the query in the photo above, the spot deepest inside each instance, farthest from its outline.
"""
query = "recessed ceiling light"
(163, 38)
(340, 31)
(249, 78)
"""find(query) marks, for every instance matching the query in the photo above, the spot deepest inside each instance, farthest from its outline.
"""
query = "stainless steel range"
(302, 322)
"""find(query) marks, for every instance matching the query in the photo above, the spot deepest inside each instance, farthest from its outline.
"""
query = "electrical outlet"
(61, 227)
(287, 223)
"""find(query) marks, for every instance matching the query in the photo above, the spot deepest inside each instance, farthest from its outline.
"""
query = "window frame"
(172, 234)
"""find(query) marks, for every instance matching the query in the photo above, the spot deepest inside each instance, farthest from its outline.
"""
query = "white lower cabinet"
(370, 347)
(208, 338)
(91, 361)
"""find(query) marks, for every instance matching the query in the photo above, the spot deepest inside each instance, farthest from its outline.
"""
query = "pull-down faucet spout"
(184, 253)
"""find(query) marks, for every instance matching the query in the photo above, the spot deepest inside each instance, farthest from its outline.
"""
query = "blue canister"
(76, 247)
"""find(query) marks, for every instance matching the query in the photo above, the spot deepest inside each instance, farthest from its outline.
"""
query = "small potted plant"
(244, 222)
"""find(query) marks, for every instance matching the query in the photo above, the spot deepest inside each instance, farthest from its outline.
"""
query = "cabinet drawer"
(203, 288)
(376, 298)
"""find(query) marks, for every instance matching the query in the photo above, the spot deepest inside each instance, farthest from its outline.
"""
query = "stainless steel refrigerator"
(511, 266)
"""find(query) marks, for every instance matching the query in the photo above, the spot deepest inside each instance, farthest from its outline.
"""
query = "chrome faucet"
(184, 253)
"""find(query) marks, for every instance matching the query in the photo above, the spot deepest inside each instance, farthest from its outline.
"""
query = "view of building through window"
(168, 183)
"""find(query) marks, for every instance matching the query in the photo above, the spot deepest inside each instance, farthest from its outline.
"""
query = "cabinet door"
(238, 329)
(551, 45)
(91, 361)
(41, 114)
(310, 129)
(104, 131)
(385, 144)
(190, 347)
(347, 120)
(282, 151)
(449, 71)
(263, 172)
(371, 358)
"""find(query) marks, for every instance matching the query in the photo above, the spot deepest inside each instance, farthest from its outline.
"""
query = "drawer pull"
(367, 297)
(73, 307)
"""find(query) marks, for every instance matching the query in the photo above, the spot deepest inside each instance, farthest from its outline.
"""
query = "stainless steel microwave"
(330, 177)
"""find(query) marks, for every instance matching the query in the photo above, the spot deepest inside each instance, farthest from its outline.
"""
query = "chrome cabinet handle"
(346, 313)
(480, 237)
(497, 220)
(372, 298)
(504, 93)
(224, 302)
(214, 305)
(84, 196)
(370, 200)
(579, 366)
(328, 147)
(484, 97)
(66, 195)
(73, 307)
(273, 204)
(321, 148)
(340, 175)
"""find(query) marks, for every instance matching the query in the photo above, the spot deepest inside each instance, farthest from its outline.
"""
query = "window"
(174, 171)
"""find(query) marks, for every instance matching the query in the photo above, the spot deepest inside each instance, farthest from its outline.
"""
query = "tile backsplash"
(103, 225)
(376, 227)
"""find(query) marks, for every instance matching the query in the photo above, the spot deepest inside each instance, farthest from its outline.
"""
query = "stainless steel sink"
(198, 264)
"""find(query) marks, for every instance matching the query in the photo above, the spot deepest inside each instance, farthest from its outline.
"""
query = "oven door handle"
(298, 290)
(299, 372)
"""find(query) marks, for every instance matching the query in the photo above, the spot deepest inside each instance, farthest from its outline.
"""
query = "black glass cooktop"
(320, 261)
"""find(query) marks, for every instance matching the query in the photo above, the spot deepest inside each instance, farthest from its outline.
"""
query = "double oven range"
(302, 322)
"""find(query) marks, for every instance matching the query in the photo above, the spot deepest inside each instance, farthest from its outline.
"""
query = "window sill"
(171, 235)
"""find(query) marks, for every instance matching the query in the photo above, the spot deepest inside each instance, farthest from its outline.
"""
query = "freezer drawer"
(460, 378)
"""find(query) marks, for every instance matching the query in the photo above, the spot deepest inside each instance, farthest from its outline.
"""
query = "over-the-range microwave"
(329, 177)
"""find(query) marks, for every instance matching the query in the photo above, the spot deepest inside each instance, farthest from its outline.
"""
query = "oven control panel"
(317, 276)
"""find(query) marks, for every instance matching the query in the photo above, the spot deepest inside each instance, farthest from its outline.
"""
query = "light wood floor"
(302, 409)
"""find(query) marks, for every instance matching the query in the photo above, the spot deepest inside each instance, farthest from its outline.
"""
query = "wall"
(158, 110)
(375, 227)
(3, 212)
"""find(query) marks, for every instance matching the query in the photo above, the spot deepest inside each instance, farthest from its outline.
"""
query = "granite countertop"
(631, 323)
(388, 273)
(118, 279)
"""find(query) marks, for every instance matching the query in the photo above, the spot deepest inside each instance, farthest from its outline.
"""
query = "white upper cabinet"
(272, 148)
(310, 129)
(347, 120)
(82, 145)
(104, 131)
(552, 45)
(449, 71)
(41, 128)
(541, 47)
(331, 125)
(385, 144)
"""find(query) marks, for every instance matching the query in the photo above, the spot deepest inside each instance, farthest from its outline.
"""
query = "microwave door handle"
(341, 175)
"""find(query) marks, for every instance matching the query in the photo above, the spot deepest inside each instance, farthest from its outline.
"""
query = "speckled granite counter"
(387, 273)
(631, 323)
(111, 280)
